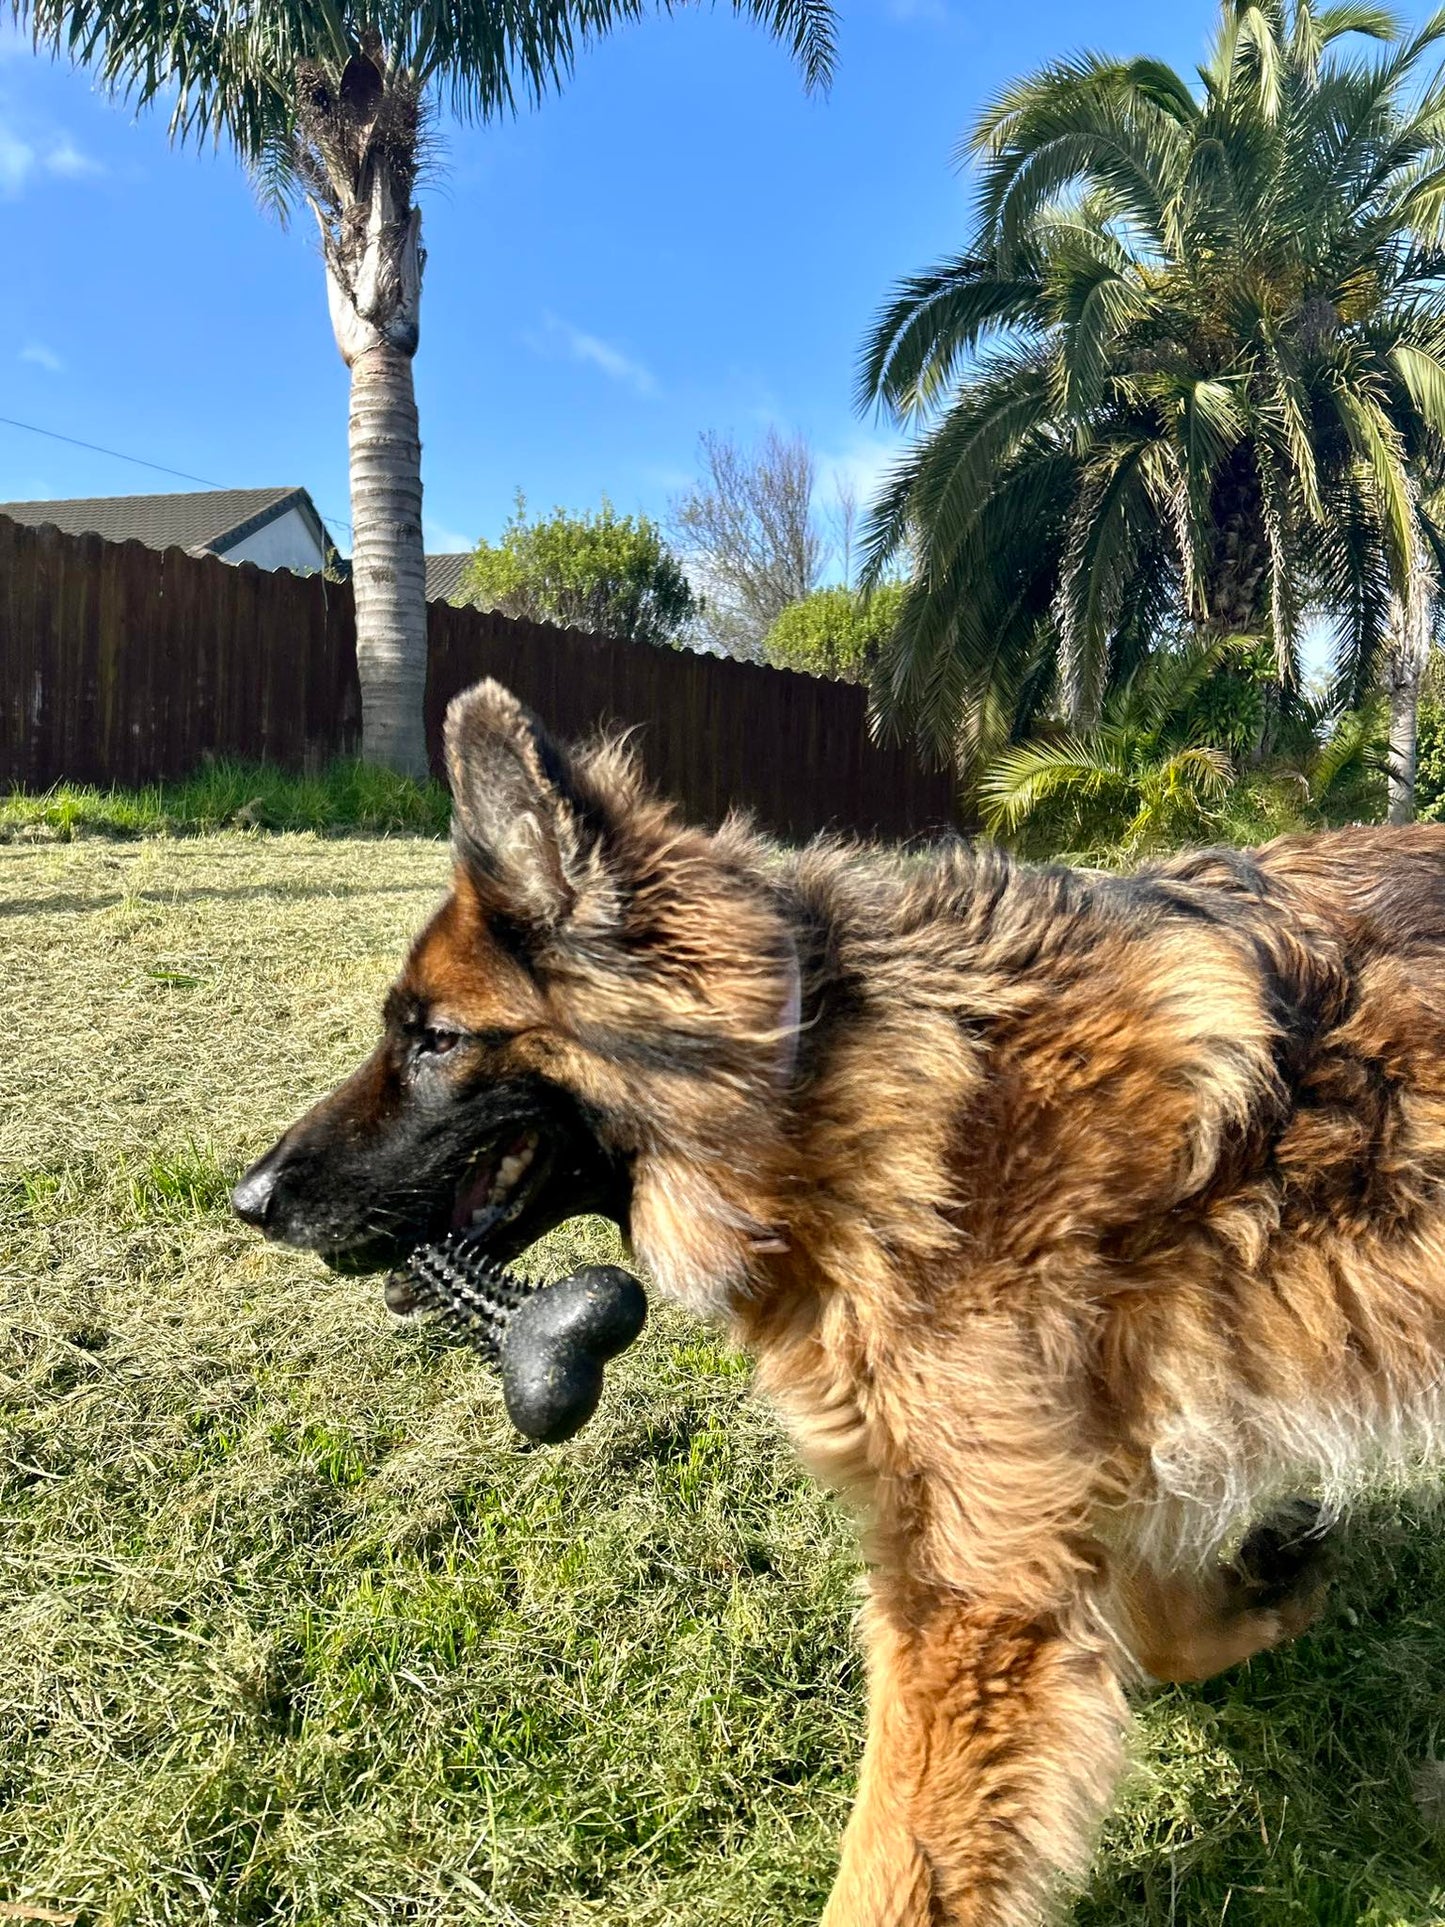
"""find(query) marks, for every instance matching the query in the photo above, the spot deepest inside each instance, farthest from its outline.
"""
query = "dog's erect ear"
(527, 838)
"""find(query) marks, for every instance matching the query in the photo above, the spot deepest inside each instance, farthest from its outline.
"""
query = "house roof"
(214, 519)
(444, 575)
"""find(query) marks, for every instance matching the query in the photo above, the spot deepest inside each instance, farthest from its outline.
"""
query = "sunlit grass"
(345, 797)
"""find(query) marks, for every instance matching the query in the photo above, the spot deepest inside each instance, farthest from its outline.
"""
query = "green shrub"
(834, 632)
(1169, 764)
(1430, 760)
(609, 574)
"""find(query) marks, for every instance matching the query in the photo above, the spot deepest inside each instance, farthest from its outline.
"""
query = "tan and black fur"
(1080, 1227)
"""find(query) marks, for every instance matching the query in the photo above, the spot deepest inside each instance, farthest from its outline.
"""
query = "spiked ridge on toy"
(550, 1342)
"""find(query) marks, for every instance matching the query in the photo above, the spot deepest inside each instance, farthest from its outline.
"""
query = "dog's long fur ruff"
(1077, 1224)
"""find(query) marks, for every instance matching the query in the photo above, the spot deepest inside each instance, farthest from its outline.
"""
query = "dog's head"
(595, 1020)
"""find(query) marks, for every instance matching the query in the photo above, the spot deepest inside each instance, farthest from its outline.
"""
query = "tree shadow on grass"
(1302, 1787)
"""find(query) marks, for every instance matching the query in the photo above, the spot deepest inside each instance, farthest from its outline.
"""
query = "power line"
(159, 467)
(96, 449)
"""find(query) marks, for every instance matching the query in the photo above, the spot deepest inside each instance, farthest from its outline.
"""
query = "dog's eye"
(436, 1042)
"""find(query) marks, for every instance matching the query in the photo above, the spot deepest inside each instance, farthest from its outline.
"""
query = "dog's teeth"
(512, 1167)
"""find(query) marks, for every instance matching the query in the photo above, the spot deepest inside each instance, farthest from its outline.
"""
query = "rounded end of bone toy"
(400, 1295)
(556, 1344)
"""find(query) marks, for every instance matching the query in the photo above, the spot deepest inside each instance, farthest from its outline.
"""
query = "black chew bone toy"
(549, 1341)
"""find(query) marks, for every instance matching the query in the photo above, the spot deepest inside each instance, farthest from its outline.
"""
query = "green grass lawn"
(346, 796)
(294, 1630)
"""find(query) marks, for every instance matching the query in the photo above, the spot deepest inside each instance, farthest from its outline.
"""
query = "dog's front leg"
(993, 1744)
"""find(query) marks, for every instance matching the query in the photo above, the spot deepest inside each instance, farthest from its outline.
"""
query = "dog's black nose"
(253, 1196)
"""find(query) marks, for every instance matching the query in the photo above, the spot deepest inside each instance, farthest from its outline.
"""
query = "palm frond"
(1376, 23)
(930, 324)
(1423, 374)
(1110, 522)
(1257, 59)
(1377, 449)
(1272, 467)
(959, 463)
(1093, 306)
(1354, 746)
(1077, 124)
(887, 522)
(1022, 780)
(1353, 575)
(230, 66)
(1234, 315)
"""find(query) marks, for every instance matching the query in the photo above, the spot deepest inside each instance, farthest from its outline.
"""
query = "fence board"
(122, 664)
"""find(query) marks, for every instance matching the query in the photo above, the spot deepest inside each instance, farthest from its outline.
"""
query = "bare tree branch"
(748, 531)
(843, 520)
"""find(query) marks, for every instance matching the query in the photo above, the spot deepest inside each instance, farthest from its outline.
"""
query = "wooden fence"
(123, 664)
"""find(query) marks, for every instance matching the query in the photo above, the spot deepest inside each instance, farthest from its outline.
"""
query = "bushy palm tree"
(1337, 771)
(330, 99)
(1188, 747)
(1142, 778)
(1188, 373)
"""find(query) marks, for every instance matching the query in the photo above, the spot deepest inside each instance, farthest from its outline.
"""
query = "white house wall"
(286, 543)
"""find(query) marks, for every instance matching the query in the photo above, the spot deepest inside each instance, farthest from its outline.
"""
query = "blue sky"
(682, 240)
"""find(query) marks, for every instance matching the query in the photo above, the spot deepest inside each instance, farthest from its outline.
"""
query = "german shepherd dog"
(1090, 1230)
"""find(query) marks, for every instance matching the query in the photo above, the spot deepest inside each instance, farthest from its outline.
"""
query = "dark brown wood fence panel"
(123, 664)
(119, 664)
(717, 735)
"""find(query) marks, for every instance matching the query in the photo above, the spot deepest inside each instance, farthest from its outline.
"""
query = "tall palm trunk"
(1404, 714)
(1234, 570)
(388, 571)
(362, 136)
(1403, 674)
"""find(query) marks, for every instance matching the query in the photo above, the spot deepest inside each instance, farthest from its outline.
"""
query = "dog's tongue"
(474, 1196)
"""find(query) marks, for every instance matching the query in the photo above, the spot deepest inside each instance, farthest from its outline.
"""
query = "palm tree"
(1163, 764)
(1187, 375)
(1412, 623)
(331, 100)
(1337, 773)
(1145, 776)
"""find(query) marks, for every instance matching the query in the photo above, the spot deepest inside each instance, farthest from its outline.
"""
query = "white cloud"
(17, 159)
(581, 346)
(42, 356)
(23, 158)
(65, 159)
(441, 540)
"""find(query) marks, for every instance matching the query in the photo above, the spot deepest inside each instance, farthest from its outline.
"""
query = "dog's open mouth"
(527, 1171)
(502, 1181)
(515, 1189)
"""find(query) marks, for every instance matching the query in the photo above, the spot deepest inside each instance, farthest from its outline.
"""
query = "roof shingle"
(211, 519)
(444, 575)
